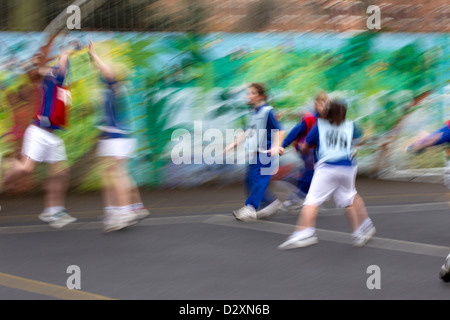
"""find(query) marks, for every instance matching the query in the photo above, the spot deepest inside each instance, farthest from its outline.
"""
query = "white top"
(335, 141)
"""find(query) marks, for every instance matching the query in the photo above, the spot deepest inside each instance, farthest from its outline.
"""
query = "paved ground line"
(100, 212)
(47, 228)
(47, 289)
(333, 236)
(403, 195)
(99, 225)
(400, 208)
(421, 207)
(261, 225)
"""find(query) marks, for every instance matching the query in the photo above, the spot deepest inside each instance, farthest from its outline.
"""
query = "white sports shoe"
(117, 221)
(57, 220)
(246, 213)
(45, 217)
(299, 241)
(289, 205)
(444, 274)
(269, 210)
(141, 213)
(361, 239)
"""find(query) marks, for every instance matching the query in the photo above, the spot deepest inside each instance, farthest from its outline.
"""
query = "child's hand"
(91, 47)
(414, 149)
(274, 151)
(228, 148)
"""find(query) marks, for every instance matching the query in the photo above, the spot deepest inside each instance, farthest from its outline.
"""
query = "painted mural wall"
(396, 85)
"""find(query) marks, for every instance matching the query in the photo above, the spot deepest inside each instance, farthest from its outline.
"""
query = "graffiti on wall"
(395, 85)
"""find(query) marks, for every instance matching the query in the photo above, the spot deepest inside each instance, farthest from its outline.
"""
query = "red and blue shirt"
(301, 130)
(47, 97)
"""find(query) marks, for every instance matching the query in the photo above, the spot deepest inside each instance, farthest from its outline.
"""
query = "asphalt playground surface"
(191, 248)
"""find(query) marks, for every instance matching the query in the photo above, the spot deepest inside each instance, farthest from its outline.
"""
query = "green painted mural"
(395, 84)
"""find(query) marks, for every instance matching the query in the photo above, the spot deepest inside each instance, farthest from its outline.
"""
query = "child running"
(438, 137)
(263, 147)
(297, 136)
(335, 175)
(41, 144)
(122, 202)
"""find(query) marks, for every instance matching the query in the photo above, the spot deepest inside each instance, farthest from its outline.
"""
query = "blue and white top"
(116, 118)
(262, 122)
(333, 143)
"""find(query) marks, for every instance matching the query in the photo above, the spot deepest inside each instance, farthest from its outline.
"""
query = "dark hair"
(259, 88)
(336, 112)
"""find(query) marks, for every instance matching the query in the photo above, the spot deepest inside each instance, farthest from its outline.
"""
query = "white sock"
(305, 233)
(251, 207)
(125, 209)
(137, 206)
(362, 226)
(46, 210)
(365, 223)
(108, 210)
(357, 232)
(53, 210)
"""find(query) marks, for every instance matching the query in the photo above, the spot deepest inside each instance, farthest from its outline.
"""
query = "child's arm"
(282, 137)
(45, 51)
(298, 130)
(274, 124)
(277, 149)
(63, 62)
(428, 141)
(436, 138)
(236, 142)
(104, 69)
(311, 140)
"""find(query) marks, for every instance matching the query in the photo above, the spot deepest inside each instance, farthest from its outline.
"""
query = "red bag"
(310, 121)
(56, 114)
(62, 103)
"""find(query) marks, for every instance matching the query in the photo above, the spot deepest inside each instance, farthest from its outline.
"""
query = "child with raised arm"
(122, 202)
(41, 144)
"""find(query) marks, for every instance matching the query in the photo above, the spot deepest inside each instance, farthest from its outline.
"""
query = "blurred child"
(41, 144)
(21, 101)
(297, 136)
(438, 137)
(122, 202)
(263, 145)
(335, 175)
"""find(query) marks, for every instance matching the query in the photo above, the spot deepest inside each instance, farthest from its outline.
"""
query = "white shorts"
(336, 181)
(121, 148)
(43, 146)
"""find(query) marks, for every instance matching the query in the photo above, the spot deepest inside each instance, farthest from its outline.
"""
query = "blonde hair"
(321, 96)
(121, 72)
